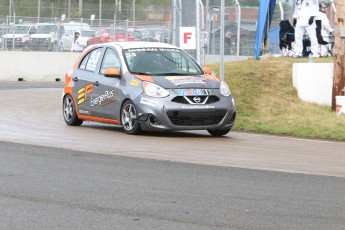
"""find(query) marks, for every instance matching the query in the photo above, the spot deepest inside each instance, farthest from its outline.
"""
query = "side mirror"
(112, 72)
(207, 70)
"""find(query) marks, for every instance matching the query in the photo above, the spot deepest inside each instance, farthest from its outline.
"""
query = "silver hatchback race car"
(146, 86)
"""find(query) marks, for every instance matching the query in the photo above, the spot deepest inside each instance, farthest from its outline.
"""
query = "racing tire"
(129, 115)
(70, 112)
(218, 132)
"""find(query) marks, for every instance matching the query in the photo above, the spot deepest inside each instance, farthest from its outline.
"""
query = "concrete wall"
(35, 66)
(314, 82)
(49, 66)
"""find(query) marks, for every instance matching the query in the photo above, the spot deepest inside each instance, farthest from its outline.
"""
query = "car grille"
(191, 99)
(199, 118)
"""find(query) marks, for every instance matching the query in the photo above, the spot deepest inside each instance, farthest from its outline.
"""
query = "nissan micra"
(146, 86)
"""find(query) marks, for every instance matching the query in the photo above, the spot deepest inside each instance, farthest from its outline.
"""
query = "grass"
(267, 102)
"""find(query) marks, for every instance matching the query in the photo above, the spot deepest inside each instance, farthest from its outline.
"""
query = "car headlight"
(224, 89)
(154, 90)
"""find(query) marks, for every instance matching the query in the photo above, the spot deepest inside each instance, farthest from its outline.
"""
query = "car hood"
(182, 82)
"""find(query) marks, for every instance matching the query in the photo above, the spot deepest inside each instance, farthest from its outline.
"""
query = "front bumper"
(40, 45)
(165, 114)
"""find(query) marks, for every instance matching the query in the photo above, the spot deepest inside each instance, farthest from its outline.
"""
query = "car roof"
(139, 44)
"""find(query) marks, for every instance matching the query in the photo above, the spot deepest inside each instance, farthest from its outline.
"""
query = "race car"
(145, 86)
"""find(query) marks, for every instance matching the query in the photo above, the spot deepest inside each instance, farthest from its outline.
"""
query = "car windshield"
(46, 29)
(160, 61)
(20, 29)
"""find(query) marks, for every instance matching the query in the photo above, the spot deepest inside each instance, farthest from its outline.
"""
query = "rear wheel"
(218, 132)
(70, 112)
(128, 118)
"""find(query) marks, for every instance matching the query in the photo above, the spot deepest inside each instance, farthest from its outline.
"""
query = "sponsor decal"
(84, 112)
(134, 82)
(198, 107)
(83, 92)
(105, 98)
(107, 102)
(193, 92)
(147, 101)
(181, 80)
(152, 49)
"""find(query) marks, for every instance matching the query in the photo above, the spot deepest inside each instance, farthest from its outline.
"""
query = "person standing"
(304, 21)
(326, 29)
(228, 43)
(77, 45)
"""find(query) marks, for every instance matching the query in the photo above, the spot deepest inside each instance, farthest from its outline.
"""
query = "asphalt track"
(32, 114)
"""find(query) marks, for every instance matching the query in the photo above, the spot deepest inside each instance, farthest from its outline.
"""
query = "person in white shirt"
(77, 45)
(326, 29)
(304, 21)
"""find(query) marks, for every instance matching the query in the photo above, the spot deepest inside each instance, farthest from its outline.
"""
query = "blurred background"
(45, 25)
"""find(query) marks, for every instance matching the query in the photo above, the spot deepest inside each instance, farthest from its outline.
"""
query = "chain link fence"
(40, 21)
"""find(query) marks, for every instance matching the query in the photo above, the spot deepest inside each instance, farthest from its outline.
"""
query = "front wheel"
(128, 118)
(70, 112)
(218, 132)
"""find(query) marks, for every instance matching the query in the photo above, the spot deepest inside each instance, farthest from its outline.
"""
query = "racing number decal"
(83, 92)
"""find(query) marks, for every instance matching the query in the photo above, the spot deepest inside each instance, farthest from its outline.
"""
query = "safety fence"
(131, 21)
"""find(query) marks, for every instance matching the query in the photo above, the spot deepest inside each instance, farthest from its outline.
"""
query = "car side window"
(110, 60)
(90, 60)
(84, 61)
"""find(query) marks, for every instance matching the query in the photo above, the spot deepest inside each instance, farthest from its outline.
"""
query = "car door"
(84, 79)
(107, 92)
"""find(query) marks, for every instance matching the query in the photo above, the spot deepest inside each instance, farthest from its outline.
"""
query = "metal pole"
(114, 20)
(281, 10)
(10, 9)
(69, 10)
(201, 41)
(100, 13)
(221, 68)
(179, 16)
(133, 23)
(38, 10)
(174, 22)
(127, 29)
(238, 29)
(14, 22)
(197, 31)
(80, 8)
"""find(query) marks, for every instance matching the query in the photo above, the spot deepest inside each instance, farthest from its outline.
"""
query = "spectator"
(77, 45)
(228, 43)
(304, 21)
(326, 29)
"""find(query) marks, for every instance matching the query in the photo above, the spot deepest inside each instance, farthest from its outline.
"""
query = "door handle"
(96, 83)
(75, 79)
